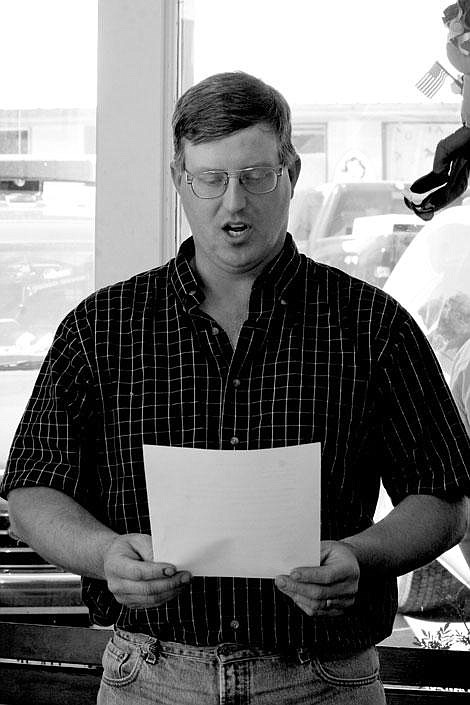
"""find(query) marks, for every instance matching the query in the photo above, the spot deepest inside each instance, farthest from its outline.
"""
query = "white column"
(137, 88)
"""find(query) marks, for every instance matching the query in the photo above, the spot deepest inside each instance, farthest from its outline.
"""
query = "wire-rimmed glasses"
(255, 179)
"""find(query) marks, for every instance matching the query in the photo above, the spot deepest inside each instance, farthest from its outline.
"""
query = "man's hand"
(135, 579)
(329, 588)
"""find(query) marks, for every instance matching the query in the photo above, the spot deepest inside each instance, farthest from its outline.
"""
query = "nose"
(235, 195)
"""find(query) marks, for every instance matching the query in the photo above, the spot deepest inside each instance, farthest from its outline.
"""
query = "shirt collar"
(187, 285)
(277, 276)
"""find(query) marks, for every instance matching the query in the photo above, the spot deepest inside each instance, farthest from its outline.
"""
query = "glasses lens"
(259, 179)
(209, 184)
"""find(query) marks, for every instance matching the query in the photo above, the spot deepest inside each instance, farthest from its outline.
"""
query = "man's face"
(237, 232)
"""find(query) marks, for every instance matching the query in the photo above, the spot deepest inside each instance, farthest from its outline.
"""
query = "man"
(239, 343)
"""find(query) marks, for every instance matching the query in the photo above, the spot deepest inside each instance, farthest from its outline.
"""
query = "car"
(323, 216)
(360, 227)
(377, 243)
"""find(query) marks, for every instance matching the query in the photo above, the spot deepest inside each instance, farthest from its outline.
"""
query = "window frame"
(136, 210)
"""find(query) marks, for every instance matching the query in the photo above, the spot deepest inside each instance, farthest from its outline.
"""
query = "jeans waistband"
(225, 651)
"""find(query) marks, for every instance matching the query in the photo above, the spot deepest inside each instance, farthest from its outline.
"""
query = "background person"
(239, 343)
(448, 178)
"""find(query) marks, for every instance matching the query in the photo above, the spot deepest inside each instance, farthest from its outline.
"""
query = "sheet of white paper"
(252, 513)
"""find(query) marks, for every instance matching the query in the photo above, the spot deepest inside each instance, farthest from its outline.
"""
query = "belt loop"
(304, 655)
(151, 651)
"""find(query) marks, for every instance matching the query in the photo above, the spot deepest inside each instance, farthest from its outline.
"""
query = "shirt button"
(236, 382)
(234, 441)
(215, 330)
(234, 623)
(283, 302)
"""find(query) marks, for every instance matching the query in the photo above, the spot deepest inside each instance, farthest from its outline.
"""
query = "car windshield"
(357, 202)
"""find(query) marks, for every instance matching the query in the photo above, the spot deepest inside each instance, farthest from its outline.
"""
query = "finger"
(332, 608)
(149, 591)
(308, 590)
(322, 575)
(131, 599)
(138, 570)
(124, 561)
(321, 598)
(150, 571)
(149, 587)
(308, 575)
(180, 578)
(311, 597)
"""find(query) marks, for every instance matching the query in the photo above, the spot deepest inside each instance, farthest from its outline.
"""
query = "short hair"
(225, 103)
(450, 13)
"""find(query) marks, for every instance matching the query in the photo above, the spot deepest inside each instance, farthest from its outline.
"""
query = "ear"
(176, 175)
(294, 171)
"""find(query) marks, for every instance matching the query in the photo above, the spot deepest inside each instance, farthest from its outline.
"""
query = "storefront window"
(47, 203)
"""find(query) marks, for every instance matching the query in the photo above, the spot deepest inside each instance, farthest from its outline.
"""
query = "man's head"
(457, 18)
(235, 169)
(225, 103)
(450, 13)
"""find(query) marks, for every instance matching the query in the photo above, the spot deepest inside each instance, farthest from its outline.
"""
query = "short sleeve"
(49, 446)
(426, 447)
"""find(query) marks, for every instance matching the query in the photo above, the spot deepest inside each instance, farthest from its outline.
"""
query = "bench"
(53, 665)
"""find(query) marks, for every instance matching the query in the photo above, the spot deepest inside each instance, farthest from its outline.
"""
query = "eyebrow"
(251, 166)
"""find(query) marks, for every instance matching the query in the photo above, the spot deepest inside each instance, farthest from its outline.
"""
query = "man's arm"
(415, 532)
(66, 534)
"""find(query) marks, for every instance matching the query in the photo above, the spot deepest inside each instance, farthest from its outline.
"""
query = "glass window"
(364, 131)
(14, 141)
(47, 198)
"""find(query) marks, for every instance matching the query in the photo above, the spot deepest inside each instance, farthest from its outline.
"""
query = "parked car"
(46, 267)
(322, 216)
(360, 227)
(377, 244)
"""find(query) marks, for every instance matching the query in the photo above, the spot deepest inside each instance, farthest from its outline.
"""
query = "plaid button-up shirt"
(321, 357)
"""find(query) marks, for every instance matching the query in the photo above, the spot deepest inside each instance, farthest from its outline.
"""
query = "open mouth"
(236, 229)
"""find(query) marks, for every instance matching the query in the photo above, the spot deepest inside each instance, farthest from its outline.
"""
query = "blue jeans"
(139, 670)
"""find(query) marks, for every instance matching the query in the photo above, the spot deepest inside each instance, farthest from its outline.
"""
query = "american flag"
(432, 80)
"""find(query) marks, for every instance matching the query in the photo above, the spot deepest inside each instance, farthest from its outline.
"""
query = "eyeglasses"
(255, 179)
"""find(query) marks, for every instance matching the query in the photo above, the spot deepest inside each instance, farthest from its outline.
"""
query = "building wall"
(354, 150)
(336, 142)
(373, 142)
(52, 132)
